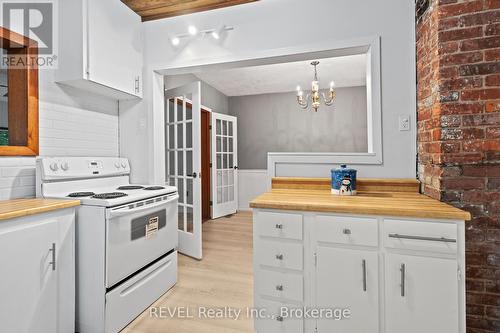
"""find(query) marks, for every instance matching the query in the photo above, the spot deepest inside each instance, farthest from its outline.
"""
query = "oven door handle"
(126, 211)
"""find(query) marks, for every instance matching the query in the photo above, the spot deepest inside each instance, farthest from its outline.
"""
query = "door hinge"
(210, 164)
(137, 84)
(459, 273)
(315, 255)
(211, 203)
(209, 127)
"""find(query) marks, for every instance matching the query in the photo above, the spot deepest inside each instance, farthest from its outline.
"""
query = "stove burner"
(154, 188)
(112, 195)
(130, 187)
(80, 194)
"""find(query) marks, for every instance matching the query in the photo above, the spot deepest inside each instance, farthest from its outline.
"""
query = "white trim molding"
(252, 183)
(326, 49)
(277, 160)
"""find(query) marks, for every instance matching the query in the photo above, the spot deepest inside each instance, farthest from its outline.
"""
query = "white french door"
(224, 165)
(183, 162)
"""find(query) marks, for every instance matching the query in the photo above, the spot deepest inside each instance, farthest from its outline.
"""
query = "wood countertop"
(10, 209)
(296, 194)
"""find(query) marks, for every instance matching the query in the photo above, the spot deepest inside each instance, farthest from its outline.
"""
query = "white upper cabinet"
(100, 48)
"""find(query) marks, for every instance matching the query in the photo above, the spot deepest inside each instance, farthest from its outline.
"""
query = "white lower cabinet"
(421, 294)
(371, 274)
(37, 281)
(347, 280)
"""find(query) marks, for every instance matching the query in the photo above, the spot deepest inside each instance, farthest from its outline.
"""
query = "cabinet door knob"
(346, 231)
(279, 256)
(279, 287)
(279, 226)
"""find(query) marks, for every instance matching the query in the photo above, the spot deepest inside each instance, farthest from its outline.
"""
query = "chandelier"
(314, 95)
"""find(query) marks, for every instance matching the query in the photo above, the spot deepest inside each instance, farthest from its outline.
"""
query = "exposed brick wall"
(458, 75)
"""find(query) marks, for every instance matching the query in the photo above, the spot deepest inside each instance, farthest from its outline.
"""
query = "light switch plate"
(404, 123)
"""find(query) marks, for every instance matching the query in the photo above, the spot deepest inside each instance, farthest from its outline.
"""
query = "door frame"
(206, 164)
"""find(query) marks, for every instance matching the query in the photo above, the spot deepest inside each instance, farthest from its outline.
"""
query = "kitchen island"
(387, 260)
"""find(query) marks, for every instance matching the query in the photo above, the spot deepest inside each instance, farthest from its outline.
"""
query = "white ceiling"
(348, 71)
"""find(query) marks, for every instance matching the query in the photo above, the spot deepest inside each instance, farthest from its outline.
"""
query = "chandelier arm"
(329, 101)
(305, 103)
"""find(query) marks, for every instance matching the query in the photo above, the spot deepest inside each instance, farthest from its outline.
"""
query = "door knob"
(194, 175)
(235, 167)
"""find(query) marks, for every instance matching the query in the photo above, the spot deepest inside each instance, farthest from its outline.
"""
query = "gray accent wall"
(275, 123)
(210, 97)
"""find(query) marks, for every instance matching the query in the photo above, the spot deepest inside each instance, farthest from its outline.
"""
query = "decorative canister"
(344, 181)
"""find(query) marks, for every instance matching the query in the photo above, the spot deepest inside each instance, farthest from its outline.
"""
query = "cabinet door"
(114, 46)
(421, 294)
(348, 279)
(28, 283)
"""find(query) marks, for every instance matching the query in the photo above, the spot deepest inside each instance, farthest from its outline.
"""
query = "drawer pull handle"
(279, 318)
(363, 264)
(346, 231)
(402, 269)
(432, 239)
(279, 256)
(279, 287)
(279, 226)
(53, 252)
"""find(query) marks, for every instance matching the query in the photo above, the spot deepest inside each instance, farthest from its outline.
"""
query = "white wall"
(72, 123)
(268, 27)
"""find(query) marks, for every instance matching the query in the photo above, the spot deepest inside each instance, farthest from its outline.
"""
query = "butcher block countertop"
(10, 209)
(386, 197)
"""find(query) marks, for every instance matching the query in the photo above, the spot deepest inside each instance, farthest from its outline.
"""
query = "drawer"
(347, 230)
(129, 299)
(281, 225)
(279, 254)
(278, 284)
(420, 235)
(274, 318)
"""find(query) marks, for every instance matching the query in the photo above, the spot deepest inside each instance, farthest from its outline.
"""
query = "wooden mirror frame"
(23, 97)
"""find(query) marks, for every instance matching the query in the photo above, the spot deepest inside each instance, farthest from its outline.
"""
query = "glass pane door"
(182, 142)
(224, 170)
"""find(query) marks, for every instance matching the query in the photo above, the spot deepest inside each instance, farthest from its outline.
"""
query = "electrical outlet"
(404, 123)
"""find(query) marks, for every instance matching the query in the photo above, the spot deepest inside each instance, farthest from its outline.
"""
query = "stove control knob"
(65, 166)
(124, 165)
(117, 165)
(54, 167)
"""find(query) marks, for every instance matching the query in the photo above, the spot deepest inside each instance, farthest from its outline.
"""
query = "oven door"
(137, 234)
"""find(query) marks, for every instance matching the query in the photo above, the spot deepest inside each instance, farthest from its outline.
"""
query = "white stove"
(126, 237)
(94, 181)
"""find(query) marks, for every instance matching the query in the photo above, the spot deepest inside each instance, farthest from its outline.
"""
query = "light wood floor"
(222, 279)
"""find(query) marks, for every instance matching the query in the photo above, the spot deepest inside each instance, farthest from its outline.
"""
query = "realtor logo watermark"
(36, 20)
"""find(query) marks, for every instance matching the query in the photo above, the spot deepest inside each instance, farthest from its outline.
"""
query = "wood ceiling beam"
(158, 9)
